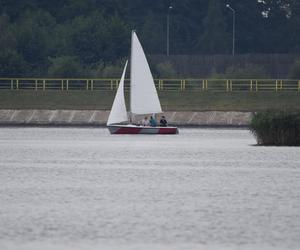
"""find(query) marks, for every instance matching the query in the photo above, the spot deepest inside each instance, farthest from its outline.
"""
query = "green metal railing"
(223, 85)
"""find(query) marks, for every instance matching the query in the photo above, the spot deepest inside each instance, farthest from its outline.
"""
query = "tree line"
(75, 38)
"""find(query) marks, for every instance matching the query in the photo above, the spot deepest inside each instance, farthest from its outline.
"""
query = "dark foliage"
(278, 128)
(97, 32)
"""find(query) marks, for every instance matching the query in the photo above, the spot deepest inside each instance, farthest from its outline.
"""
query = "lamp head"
(227, 5)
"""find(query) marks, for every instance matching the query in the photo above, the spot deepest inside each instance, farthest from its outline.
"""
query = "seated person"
(153, 122)
(145, 121)
(163, 122)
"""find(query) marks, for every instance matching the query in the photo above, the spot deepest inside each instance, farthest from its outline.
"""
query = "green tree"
(215, 38)
(97, 32)
(294, 27)
(153, 34)
(165, 70)
(98, 38)
(65, 66)
(247, 71)
(34, 36)
(250, 26)
(7, 39)
(276, 26)
(295, 70)
(12, 64)
(185, 26)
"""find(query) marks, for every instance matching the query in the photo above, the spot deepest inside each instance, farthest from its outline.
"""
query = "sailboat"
(143, 97)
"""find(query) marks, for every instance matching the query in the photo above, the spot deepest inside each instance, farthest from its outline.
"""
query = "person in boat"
(153, 122)
(163, 122)
(145, 121)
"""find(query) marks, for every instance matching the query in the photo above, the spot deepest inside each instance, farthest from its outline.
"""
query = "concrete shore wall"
(99, 117)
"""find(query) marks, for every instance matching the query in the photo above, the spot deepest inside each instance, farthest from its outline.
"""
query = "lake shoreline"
(13, 125)
(98, 118)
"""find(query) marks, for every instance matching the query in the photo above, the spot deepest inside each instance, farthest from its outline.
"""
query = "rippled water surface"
(81, 188)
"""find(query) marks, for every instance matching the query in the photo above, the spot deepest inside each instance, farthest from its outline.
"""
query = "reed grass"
(279, 128)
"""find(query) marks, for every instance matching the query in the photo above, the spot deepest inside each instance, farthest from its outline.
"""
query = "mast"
(130, 92)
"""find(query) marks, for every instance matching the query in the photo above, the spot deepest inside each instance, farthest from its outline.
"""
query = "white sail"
(143, 94)
(118, 111)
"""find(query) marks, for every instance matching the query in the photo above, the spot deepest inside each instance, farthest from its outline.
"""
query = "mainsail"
(118, 111)
(143, 94)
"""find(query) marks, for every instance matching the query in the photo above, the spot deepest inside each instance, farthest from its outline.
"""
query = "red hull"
(132, 129)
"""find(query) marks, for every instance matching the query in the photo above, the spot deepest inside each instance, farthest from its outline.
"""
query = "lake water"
(82, 188)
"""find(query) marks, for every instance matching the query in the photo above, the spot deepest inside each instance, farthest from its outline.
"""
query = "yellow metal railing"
(225, 85)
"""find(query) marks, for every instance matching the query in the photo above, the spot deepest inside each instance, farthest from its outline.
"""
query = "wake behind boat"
(143, 97)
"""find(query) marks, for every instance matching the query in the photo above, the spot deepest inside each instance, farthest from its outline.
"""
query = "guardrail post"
(44, 85)
(206, 87)
(203, 85)
(276, 85)
(117, 84)
(230, 85)
(227, 85)
(67, 86)
(162, 84)
(11, 84)
(299, 85)
(111, 84)
(17, 87)
(183, 84)
(62, 84)
(281, 83)
(92, 84)
(87, 84)
(35, 85)
(251, 85)
(256, 85)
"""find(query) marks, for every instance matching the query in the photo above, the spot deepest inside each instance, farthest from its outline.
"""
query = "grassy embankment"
(172, 101)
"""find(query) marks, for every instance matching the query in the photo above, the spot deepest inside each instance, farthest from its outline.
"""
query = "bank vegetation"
(279, 128)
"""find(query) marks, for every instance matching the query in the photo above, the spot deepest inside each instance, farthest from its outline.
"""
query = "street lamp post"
(168, 30)
(233, 28)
